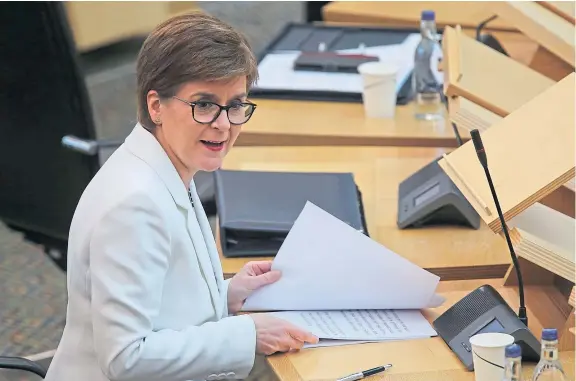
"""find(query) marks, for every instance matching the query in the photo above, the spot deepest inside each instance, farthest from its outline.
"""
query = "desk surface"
(413, 360)
(305, 123)
(450, 252)
(407, 14)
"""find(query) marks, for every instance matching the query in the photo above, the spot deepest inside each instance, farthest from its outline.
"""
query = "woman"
(147, 300)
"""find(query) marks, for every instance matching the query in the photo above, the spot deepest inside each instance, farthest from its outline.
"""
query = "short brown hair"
(190, 47)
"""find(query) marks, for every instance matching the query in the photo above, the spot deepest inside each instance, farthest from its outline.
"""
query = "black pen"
(365, 373)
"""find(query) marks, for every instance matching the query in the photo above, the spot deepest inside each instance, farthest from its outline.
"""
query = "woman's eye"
(203, 104)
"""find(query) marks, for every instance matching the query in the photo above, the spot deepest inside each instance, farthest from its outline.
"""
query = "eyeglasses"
(206, 112)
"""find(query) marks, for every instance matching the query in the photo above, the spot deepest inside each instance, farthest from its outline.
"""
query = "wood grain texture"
(527, 162)
(488, 78)
(547, 238)
(542, 25)
(564, 9)
(423, 359)
(300, 123)
(450, 252)
(469, 115)
(407, 14)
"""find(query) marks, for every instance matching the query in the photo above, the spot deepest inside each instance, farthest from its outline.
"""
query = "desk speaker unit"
(483, 311)
(429, 197)
(256, 209)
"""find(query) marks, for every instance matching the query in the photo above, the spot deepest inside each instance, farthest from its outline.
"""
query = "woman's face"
(193, 146)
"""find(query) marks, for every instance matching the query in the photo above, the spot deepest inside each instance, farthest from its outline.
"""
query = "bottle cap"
(549, 334)
(513, 350)
(428, 15)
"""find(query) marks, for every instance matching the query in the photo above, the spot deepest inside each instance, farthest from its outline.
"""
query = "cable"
(482, 25)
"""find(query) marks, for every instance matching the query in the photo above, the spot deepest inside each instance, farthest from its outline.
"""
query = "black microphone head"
(475, 134)
(479, 146)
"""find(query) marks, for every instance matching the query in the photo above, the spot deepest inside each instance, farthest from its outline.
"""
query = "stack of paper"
(341, 285)
(276, 70)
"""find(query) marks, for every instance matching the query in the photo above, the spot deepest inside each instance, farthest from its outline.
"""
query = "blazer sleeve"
(129, 257)
(224, 295)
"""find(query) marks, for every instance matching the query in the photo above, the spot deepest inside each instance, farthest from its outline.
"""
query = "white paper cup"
(488, 355)
(379, 89)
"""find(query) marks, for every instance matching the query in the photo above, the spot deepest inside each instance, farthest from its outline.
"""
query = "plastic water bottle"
(426, 89)
(549, 367)
(513, 363)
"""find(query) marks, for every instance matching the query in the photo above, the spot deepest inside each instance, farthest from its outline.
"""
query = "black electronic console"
(484, 310)
(430, 198)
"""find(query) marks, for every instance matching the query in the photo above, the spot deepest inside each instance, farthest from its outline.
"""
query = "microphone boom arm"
(479, 146)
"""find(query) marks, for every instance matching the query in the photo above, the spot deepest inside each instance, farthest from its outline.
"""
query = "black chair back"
(43, 97)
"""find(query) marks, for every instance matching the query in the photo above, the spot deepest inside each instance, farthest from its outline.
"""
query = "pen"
(365, 373)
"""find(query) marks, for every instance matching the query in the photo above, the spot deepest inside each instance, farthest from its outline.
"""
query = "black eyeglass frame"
(226, 108)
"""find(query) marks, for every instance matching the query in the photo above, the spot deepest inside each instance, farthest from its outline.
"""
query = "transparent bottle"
(426, 88)
(513, 363)
(549, 367)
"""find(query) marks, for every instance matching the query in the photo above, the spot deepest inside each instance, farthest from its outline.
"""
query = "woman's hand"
(277, 335)
(250, 278)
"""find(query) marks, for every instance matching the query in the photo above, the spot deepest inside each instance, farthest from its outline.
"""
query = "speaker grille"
(460, 315)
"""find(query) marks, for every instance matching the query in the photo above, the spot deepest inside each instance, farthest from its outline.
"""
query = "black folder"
(256, 209)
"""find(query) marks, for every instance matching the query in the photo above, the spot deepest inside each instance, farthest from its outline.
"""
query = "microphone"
(479, 146)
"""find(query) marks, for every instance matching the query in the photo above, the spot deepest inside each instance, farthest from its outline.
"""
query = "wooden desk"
(450, 252)
(407, 14)
(299, 123)
(413, 360)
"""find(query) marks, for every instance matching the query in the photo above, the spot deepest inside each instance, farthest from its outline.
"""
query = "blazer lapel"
(145, 146)
(210, 259)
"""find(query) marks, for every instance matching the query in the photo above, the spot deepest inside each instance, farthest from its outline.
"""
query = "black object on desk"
(256, 209)
(429, 197)
(331, 62)
(483, 311)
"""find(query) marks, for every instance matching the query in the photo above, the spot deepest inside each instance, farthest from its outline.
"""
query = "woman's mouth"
(213, 145)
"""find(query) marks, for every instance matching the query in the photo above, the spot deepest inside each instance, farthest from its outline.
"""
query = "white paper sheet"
(371, 325)
(334, 343)
(276, 70)
(328, 265)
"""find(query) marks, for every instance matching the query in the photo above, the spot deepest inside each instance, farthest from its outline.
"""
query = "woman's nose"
(222, 122)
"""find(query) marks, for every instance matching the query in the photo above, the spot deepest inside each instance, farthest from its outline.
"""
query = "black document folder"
(256, 209)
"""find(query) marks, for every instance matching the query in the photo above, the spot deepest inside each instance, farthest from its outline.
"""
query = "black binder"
(256, 209)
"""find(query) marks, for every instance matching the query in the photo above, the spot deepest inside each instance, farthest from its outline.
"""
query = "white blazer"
(146, 296)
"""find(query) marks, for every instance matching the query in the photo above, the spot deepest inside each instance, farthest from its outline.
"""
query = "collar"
(145, 146)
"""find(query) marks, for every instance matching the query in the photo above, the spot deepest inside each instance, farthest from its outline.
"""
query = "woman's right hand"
(278, 335)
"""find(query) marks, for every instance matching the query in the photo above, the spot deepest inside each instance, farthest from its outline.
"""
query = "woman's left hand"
(250, 278)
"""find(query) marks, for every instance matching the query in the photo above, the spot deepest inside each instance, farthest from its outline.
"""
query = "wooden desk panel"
(413, 360)
(407, 14)
(450, 252)
(299, 123)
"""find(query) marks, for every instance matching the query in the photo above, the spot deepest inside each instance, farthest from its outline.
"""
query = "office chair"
(49, 149)
(19, 363)
(43, 98)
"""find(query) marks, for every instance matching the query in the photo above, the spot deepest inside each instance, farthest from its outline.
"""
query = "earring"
(157, 121)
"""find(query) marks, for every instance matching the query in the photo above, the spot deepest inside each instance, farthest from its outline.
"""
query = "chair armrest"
(20, 363)
(88, 147)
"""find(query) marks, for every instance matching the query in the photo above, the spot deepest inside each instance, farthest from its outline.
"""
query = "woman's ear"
(154, 106)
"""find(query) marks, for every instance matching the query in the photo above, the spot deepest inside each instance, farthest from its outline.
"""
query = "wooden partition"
(486, 77)
(530, 154)
(548, 23)
(98, 23)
